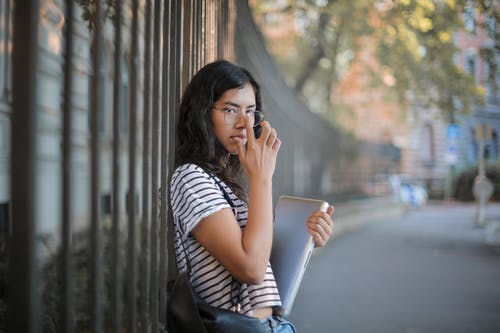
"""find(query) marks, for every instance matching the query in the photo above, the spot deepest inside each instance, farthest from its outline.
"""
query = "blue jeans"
(277, 324)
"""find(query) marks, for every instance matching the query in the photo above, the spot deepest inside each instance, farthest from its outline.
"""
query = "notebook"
(292, 245)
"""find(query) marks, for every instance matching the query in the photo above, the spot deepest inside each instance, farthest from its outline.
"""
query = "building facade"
(439, 148)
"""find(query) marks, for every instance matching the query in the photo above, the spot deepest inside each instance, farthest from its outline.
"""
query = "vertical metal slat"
(23, 310)
(174, 97)
(186, 45)
(67, 263)
(6, 49)
(154, 169)
(144, 263)
(96, 246)
(116, 280)
(196, 38)
(132, 255)
(167, 51)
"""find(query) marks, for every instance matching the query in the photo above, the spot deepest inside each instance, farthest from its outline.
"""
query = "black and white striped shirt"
(194, 195)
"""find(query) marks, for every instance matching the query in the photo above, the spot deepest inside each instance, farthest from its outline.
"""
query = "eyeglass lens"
(233, 117)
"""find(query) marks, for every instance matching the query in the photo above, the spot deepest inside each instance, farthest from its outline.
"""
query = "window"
(106, 204)
(473, 147)
(491, 27)
(469, 17)
(487, 152)
(490, 83)
(427, 145)
(5, 47)
(105, 97)
(470, 65)
(494, 143)
(124, 98)
(4, 220)
(135, 203)
(100, 121)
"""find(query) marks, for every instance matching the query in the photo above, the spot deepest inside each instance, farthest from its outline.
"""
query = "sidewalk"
(424, 271)
(352, 214)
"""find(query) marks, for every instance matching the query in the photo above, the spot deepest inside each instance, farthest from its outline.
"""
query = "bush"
(464, 183)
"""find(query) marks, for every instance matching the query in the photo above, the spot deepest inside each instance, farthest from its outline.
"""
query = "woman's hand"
(258, 158)
(319, 224)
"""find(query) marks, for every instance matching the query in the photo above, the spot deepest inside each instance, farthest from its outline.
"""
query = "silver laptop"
(292, 245)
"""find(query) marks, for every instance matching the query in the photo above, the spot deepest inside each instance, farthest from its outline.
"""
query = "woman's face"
(227, 116)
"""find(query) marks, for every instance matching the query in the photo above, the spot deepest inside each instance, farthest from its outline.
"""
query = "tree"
(491, 11)
(411, 40)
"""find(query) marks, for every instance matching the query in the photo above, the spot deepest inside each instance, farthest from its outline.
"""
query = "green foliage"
(88, 9)
(491, 9)
(411, 40)
(420, 53)
(463, 183)
(51, 281)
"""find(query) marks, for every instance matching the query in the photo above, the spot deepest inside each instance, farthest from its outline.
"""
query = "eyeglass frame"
(241, 114)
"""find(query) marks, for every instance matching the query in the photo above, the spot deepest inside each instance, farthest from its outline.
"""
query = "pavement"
(390, 269)
(350, 215)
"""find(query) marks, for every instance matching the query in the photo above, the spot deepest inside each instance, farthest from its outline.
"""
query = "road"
(427, 271)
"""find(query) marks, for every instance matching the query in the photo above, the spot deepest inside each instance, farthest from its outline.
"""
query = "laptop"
(292, 245)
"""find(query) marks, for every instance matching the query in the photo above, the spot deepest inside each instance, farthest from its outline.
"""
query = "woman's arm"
(245, 254)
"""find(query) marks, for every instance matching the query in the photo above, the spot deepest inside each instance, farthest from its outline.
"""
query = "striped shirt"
(195, 195)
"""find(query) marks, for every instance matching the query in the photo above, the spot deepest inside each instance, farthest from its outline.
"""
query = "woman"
(225, 231)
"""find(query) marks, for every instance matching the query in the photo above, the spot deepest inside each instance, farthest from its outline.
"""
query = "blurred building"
(438, 150)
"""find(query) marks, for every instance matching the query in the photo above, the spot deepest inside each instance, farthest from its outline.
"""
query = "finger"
(272, 138)
(330, 210)
(323, 215)
(315, 226)
(318, 240)
(241, 148)
(325, 228)
(321, 227)
(266, 131)
(249, 129)
(277, 144)
(328, 221)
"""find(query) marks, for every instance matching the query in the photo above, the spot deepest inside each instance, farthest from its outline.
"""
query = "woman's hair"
(196, 140)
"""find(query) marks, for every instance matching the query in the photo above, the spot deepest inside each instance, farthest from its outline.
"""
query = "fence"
(94, 90)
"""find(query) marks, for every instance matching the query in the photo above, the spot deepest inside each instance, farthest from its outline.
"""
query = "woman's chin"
(233, 148)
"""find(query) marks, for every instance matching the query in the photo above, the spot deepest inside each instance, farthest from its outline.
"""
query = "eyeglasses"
(231, 115)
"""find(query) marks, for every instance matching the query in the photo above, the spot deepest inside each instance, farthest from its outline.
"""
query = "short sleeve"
(194, 196)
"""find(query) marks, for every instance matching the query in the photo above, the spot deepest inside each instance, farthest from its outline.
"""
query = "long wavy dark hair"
(196, 141)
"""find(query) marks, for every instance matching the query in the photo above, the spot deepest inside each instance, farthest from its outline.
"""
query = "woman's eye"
(231, 111)
(250, 112)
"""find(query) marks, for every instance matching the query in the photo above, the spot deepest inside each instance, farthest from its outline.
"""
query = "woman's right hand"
(258, 158)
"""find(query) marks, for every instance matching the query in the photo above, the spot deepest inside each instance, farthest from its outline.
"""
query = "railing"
(76, 265)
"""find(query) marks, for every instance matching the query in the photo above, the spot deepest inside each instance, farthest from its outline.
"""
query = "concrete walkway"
(424, 271)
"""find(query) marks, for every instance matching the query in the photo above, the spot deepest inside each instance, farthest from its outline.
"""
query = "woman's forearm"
(258, 233)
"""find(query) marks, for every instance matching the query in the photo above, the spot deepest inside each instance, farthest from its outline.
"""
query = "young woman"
(226, 231)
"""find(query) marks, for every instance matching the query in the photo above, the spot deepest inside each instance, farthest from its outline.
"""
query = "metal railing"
(120, 284)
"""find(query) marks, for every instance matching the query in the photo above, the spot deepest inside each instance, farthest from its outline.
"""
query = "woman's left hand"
(319, 224)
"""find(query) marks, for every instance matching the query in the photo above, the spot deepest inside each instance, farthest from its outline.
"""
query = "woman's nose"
(240, 121)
